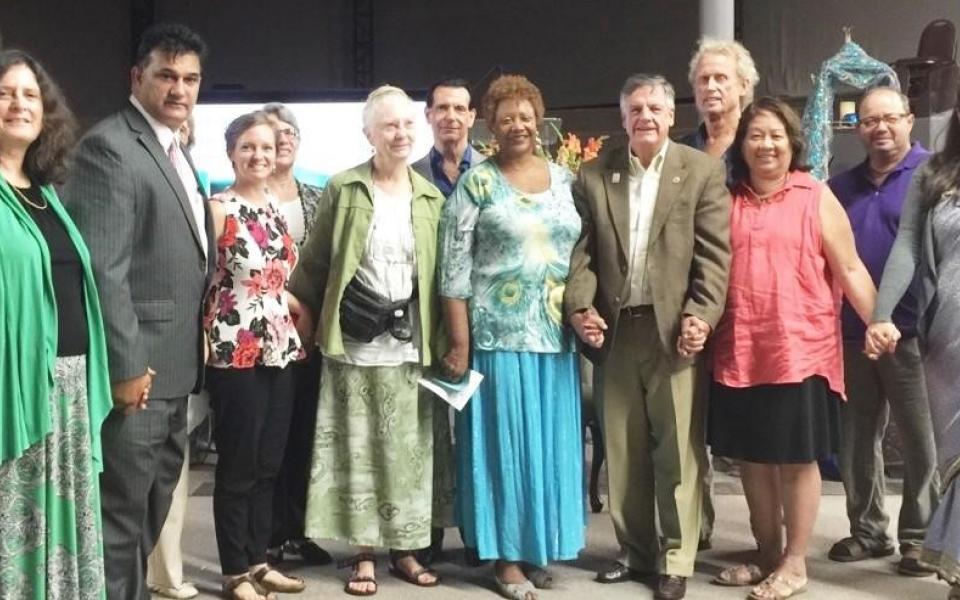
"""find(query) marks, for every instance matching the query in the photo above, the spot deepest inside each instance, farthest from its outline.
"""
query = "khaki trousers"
(655, 451)
(165, 563)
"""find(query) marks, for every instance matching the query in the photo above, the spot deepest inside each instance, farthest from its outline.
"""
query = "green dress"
(51, 410)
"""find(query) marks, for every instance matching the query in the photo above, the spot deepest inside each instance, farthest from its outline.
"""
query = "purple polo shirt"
(875, 216)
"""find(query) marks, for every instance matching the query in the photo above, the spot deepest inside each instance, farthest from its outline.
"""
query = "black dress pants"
(290, 491)
(251, 419)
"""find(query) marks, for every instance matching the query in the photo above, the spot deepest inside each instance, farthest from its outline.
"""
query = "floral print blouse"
(508, 252)
(247, 317)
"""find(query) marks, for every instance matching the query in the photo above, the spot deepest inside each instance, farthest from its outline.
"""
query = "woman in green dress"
(373, 246)
(54, 388)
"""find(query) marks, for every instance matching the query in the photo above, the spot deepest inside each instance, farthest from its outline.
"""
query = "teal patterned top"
(508, 252)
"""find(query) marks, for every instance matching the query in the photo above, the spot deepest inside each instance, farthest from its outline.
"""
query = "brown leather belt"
(632, 312)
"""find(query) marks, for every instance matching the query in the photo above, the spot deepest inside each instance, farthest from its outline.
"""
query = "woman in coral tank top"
(778, 370)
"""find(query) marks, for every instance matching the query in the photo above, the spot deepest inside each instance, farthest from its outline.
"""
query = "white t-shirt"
(388, 265)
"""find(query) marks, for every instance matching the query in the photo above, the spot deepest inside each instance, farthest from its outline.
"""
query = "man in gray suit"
(136, 199)
(450, 116)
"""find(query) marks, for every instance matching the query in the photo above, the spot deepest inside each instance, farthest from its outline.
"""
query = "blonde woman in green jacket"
(368, 271)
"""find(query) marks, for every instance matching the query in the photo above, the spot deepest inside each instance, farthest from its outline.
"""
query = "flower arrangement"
(571, 153)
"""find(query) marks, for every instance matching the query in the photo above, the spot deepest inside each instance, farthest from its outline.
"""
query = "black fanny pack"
(365, 314)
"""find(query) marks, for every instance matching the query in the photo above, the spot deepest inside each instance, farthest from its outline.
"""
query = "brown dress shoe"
(671, 587)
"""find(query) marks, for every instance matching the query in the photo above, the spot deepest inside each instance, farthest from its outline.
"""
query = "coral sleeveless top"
(782, 318)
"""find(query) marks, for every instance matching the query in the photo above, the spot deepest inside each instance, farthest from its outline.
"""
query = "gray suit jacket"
(422, 166)
(129, 203)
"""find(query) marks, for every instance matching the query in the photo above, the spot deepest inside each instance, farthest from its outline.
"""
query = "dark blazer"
(688, 256)
(422, 166)
(130, 205)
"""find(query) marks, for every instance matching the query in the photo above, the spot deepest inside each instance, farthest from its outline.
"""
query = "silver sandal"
(516, 591)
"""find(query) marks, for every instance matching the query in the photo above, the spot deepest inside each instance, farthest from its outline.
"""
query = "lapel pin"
(676, 179)
(615, 178)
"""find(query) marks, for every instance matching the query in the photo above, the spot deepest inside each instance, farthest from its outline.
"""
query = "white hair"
(745, 67)
(376, 98)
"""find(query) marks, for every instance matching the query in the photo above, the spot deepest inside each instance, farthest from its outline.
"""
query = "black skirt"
(774, 423)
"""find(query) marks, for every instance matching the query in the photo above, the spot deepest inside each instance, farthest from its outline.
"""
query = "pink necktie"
(190, 187)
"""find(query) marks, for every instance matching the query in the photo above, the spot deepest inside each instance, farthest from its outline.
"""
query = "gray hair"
(281, 112)
(376, 98)
(746, 68)
(885, 88)
(642, 80)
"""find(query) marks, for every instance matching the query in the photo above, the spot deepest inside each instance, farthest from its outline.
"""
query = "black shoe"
(617, 572)
(427, 556)
(309, 551)
(472, 559)
(274, 555)
(671, 587)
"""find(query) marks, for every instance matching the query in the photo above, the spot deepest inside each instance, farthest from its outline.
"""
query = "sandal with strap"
(231, 589)
(292, 585)
(354, 562)
(777, 587)
(411, 577)
(739, 575)
(516, 591)
(852, 549)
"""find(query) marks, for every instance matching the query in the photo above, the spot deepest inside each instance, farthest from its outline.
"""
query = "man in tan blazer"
(648, 280)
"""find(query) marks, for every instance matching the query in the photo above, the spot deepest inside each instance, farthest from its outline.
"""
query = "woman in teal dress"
(54, 388)
(506, 236)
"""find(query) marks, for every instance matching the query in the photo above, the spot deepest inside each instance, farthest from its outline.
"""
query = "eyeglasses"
(290, 132)
(890, 119)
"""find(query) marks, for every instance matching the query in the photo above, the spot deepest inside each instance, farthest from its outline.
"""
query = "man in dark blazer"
(648, 281)
(136, 199)
(451, 116)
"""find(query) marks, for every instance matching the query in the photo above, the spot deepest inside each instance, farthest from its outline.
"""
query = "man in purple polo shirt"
(873, 194)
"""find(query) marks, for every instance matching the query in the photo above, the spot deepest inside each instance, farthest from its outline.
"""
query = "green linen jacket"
(331, 255)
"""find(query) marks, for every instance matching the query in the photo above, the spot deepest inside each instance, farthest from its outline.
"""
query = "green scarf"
(28, 330)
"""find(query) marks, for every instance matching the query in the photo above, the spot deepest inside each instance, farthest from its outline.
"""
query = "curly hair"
(511, 87)
(791, 125)
(746, 68)
(46, 158)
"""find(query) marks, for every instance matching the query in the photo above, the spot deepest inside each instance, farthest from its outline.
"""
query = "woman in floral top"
(252, 341)
(506, 237)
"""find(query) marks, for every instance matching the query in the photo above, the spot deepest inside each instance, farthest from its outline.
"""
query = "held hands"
(693, 336)
(453, 365)
(589, 326)
(302, 319)
(132, 394)
(881, 338)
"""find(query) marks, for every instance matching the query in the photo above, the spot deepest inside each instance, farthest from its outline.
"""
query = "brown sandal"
(230, 586)
(294, 584)
(739, 575)
(354, 562)
(411, 577)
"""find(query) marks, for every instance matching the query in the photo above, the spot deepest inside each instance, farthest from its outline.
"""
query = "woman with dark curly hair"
(506, 237)
(54, 388)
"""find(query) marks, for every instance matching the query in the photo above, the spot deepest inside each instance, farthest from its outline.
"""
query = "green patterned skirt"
(50, 535)
(372, 477)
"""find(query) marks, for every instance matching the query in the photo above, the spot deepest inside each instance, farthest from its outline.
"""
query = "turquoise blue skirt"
(520, 494)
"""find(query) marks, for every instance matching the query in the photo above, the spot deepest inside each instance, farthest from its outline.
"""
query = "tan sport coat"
(688, 255)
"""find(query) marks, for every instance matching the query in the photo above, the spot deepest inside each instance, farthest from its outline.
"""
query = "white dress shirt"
(644, 183)
(167, 137)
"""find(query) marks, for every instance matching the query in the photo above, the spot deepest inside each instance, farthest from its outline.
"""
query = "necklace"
(763, 198)
(26, 200)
